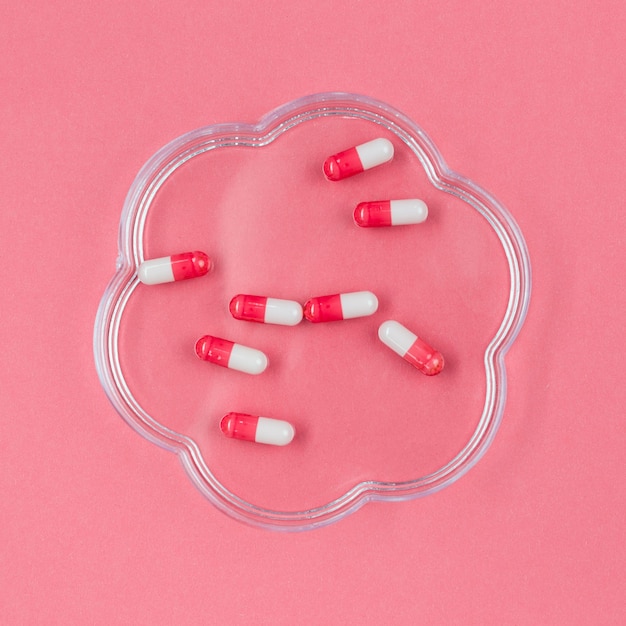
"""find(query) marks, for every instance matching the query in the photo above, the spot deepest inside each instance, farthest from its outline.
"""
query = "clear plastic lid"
(368, 426)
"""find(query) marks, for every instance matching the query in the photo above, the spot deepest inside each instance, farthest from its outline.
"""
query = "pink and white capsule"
(341, 306)
(411, 348)
(266, 310)
(357, 159)
(168, 269)
(256, 428)
(232, 355)
(390, 213)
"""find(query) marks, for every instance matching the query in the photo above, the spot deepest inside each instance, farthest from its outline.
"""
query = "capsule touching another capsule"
(168, 269)
(341, 306)
(231, 355)
(390, 213)
(357, 159)
(266, 310)
(411, 348)
(259, 429)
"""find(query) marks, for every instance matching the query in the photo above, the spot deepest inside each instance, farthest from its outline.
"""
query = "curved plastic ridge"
(138, 201)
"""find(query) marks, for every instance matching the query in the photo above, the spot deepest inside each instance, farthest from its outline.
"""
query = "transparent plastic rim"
(138, 202)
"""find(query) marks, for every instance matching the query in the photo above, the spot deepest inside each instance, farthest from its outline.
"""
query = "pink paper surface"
(99, 526)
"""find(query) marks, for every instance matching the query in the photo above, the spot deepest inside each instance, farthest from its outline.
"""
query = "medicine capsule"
(255, 428)
(357, 159)
(232, 355)
(341, 306)
(412, 349)
(168, 269)
(390, 213)
(266, 310)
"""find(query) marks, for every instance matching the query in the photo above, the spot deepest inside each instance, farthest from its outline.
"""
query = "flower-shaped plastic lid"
(368, 426)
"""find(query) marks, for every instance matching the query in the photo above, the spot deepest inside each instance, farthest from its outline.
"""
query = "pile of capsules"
(265, 310)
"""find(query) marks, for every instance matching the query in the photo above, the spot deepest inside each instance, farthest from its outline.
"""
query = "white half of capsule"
(375, 152)
(248, 360)
(156, 271)
(396, 337)
(358, 304)
(274, 432)
(407, 212)
(284, 312)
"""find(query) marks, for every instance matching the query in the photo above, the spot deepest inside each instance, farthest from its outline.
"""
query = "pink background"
(99, 526)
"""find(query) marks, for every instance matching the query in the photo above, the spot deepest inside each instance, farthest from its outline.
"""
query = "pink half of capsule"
(168, 269)
(231, 355)
(358, 159)
(390, 213)
(258, 429)
(341, 306)
(410, 347)
(266, 310)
